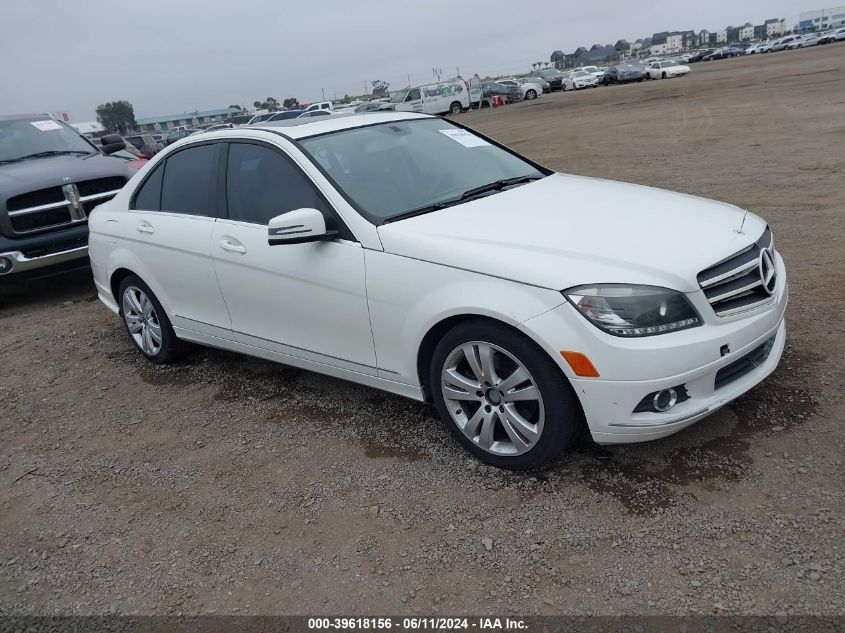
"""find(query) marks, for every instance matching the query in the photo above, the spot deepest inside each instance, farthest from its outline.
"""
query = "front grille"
(48, 208)
(35, 199)
(742, 366)
(743, 281)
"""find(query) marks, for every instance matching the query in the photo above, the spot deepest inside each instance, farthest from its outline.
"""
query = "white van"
(323, 105)
(452, 96)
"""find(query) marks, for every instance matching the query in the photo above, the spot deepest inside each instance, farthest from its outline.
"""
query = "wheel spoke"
(132, 300)
(133, 323)
(519, 376)
(522, 433)
(485, 438)
(485, 354)
(146, 341)
(155, 332)
(146, 306)
(471, 427)
(458, 386)
(526, 393)
(471, 354)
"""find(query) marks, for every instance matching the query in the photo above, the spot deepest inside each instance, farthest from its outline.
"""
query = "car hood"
(564, 230)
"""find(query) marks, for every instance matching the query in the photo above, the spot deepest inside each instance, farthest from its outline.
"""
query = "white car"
(410, 254)
(839, 35)
(597, 72)
(529, 89)
(666, 70)
(579, 79)
(784, 43)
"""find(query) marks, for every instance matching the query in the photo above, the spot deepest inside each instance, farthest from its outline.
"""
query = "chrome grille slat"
(54, 214)
(735, 284)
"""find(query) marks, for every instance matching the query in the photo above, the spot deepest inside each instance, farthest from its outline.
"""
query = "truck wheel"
(455, 108)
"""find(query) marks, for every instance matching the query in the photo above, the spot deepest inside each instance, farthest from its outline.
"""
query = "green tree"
(379, 87)
(236, 106)
(291, 103)
(117, 116)
(270, 104)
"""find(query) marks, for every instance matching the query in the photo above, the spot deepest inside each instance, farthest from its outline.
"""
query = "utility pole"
(365, 88)
(324, 93)
(458, 68)
(409, 80)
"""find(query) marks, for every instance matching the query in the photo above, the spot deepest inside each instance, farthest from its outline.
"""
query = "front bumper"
(631, 369)
(24, 268)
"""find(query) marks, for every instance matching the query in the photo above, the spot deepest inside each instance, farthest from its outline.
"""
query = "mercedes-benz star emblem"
(767, 272)
(67, 179)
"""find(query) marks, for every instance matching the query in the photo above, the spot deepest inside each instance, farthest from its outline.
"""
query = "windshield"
(669, 64)
(25, 138)
(394, 168)
(398, 96)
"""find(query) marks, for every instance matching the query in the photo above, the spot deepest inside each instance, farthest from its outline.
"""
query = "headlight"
(631, 311)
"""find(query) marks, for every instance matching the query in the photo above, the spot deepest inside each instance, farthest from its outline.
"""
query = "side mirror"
(298, 227)
(112, 143)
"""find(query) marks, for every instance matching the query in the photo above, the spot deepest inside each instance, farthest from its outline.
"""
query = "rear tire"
(664, 75)
(455, 108)
(146, 322)
(531, 94)
(518, 415)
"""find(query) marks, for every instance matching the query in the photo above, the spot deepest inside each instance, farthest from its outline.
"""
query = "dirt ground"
(225, 484)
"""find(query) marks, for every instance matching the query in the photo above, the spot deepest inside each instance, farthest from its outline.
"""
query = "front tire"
(502, 397)
(147, 323)
(531, 94)
(455, 108)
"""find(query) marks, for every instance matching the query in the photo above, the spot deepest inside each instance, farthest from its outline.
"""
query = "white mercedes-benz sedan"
(411, 254)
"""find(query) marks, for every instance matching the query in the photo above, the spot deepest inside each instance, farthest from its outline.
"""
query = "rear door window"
(189, 178)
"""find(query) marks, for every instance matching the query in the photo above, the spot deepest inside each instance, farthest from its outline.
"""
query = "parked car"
(527, 89)
(145, 143)
(623, 72)
(753, 49)
(597, 72)
(319, 113)
(510, 94)
(827, 37)
(284, 115)
(370, 106)
(373, 250)
(579, 79)
(839, 35)
(764, 47)
(666, 70)
(449, 96)
(805, 41)
(239, 119)
(784, 43)
(133, 161)
(553, 76)
(699, 55)
(258, 118)
(545, 85)
(51, 178)
(177, 134)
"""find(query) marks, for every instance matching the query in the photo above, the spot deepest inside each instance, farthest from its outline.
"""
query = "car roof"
(313, 126)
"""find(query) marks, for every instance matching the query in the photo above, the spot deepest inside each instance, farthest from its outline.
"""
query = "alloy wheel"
(141, 320)
(492, 398)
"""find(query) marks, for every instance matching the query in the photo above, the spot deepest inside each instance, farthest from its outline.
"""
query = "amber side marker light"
(580, 364)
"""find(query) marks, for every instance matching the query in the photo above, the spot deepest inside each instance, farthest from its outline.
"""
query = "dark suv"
(51, 178)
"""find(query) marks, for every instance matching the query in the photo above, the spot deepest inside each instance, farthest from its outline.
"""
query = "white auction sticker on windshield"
(465, 138)
(46, 126)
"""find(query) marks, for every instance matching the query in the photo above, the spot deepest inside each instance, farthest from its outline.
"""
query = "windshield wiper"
(51, 152)
(465, 196)
(497, 186)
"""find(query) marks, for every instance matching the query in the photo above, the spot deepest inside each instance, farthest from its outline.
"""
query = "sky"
(175, 56)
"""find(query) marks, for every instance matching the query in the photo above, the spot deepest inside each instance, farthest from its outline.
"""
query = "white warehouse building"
(822, 19)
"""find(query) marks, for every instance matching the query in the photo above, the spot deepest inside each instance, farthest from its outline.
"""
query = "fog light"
(5, 265)
(663, 400)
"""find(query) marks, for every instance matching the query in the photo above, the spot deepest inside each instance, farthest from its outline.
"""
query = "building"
(189, 119)
(822, 19)
(746, 32)
(722, 36)
(703, 37)
(670, 42)
(774, 27)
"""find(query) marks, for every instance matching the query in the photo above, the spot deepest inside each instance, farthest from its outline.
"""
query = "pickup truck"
(51, 178)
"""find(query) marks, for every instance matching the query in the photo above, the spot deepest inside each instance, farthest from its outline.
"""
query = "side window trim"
(345, 233)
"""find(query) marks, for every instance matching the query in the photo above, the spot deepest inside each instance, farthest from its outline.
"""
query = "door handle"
(228, 244)
(145, 227)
